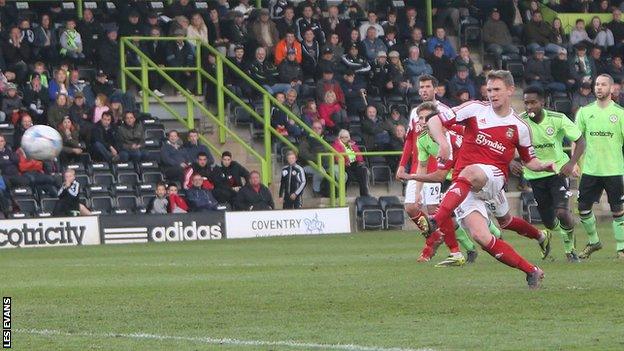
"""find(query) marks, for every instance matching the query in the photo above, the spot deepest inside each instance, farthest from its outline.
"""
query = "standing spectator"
(309, 148)
(91, 30)
(160, 203)
(234, 172)
(539, 33)
(293, 182)
(176, 203)
(157, 51)
(538, 73)
(307, 22)
(71, 42)
(193, 147)
(197, 29)
(285, 45)
(180, 54)
(254, 196)
(372, 44)
(440, 39)
(264, 31)
(131, 139)
(380, 76)
(496, 36)
(415, 66)
(36, 99)
(173, 157)
(311, 51)
(105, 139)
(216, 32)
(354, 162)
(107, 54)
(287, 23)
(11, 105)
(201, 167)
(441, 65)
(200, 199)
(582, 97)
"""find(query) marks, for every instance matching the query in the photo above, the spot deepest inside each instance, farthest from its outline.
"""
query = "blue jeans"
(102, 152)
(277, 88)
(550, 48)
(44, 182)
(134, 155)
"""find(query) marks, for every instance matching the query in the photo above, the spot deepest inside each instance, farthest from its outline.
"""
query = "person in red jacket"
(176, 202)
(35, 172)
(332, 113)
(354, 161)
(282, 47)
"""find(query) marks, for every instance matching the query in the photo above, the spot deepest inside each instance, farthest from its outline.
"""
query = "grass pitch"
(353, 292)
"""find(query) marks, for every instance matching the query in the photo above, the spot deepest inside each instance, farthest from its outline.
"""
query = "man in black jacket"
(254, 196)
(266, 74)
(105, 139)
(293, 182)
(180, 54)
(155, 50)
(91, 31)
(107, 53)
(9, 169)
(309, 148)
(234, 172)
(290, 71)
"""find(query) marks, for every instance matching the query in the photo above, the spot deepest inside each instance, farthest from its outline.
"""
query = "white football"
(42, 143)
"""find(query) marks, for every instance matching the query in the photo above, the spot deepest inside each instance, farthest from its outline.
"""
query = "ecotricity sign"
(42, 232)
(160, 228)
(287, 222)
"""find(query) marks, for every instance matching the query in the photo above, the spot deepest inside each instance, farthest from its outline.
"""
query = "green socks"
(567, 235)
(589, 223)
(618, 230)
(464, 240)
(494, 230)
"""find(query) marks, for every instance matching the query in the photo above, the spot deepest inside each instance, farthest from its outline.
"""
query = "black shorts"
(445, 185)
(551, 193)
(591, 187)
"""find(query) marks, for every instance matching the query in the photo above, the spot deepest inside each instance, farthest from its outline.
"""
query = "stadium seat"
(27, 208)
(130, 179)
(20, 193)
(79, 168)
(84, 181)
(47, 206)
(102, 183)
(126, 205)
(146, 200)
(152, 177)
(153, 144)
(125, 167)
(369, 213)
(241, 116)
(101, 205)
(149, 166)
(155, 134)
(99, 167)
(394, 212)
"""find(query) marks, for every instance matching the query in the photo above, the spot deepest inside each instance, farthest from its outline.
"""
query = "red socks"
(507, 255)
(455, 195)
(430, 243)
(523, 228)
(448, 229)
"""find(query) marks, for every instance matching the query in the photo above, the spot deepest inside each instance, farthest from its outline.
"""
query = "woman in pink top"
(101, 106)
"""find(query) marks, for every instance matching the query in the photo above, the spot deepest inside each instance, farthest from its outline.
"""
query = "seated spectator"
(36, 99)
(197, 30)
(616, 92)
(372, 22)
(356, 63)
(334, 24)
(415, 66)
(177, 204)
(11, 105)
(372, 44)
(307, 22)
(309, 148)
(17, 54)
(160, 203)
(582, 97)
(131, 140)
(461, 81)
(354, 93)
(395, 119)
(290, 71)
(464, 59)
(397, 140)
(616, 69)
(561, 38)
(354, 163)
(599, 34)
(415, 39)
(462, 96)
(71, 42)
(291, 102)
(266, 74)
(582, 68)
(101, 106)
(390, 39)
(68, 203)
(78, 85)
(116, 107)
(174, 159)
(280, 121)
(496, 36)
(601, 64)
(411, 21)
(327, 62)
(285, 45)
(440, 39)
(334, 46)
(538, 73)
(375, 132)
(36, 174)
(311, 52)
(102, 85)
(80, 116)
(9, 166)
(617, 28)
(234, 172)
(328, 83)
(59, 85)
(538, 33)
(254, 196)
(332, 115)
(264, 31)
(278, 7)
(443, 68)
(105, 139)
(293, 182)
(381, 74)
(200, 199)
(193, 147)
(59, 110)
(288, 22)
(579, 34)
(560, 70)
(23, 123)
(400, 83)
(201, 167)
(72, 145)
(310, 113)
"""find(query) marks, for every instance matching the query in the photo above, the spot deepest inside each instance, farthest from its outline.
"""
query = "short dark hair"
(428, 77)
(107, 113)
(533, 89)
(200, 154)
(161, 183)
(172, 185)
(226, 153)
(193, 131)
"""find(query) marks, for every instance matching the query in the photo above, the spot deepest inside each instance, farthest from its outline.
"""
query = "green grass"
(362, 289)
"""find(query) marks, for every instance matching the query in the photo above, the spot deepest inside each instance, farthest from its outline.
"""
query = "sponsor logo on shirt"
(544, 146)
(510, 133)
(602, 134)
(494, 145)
(613, 118)
(550, 131)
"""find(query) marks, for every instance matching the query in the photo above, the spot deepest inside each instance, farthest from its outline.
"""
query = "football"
(42, 143)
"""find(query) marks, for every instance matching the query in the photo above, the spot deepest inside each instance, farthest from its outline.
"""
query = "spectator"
(582, 68)
(496, 36)
(278, 7)
(307, 22)
(244, 7)
(290, 71)
(11, 105)
(390, 39)
(561, 38)
(397, 140)
(441, 65)
(236, 31)
(310, 113)
(71, 42)
(176, 203)
(58, 111)
(354, 93)
(328, 83)
(285, 45)
(539, 33)
(17, 54)
(309, 148)
(332, 115)
(350, 9)
(77, 85)
(254, 196)
(202, 167)
(130, 26)
(601, 64)
(72, 146)
(287, 23)
(291, 102)
(160, 203)
(105, 139)
(24, 123)
(107, 54)
(36, 99)
(131, 139)
(416, 39)
(199, 198)
(390, 22)
(617, 28)
(332, 24)
(356, 63)
(616, 92)
(173, 157)
(90, 29)
(579, 34)
(616, 69)
(409, 23)
(375, 133)
(235, 174)
(464, 59)
(79, 114)
(40, 69)
(179, 26)
(328, 62)
(280, 121)
(9, 166)
(266, 74)
(600, 34)
(538, 73)
(293, 182)
(380, 76)
(101, 106)
(197, 30)
(264, 31)
(310, 48)
(193, 147)
(354, 39)
(68, 203)
(216, 32)
(440, 39)
(102, 85)
(372, 44)
(157, 51)
(372, 22)
(180, 8)
(397, 74)
(584, 96)
(354, 162)
(395, 119)
(59, 85)
(415, 66)
(560, 70)
(37, 177)
(180, 54)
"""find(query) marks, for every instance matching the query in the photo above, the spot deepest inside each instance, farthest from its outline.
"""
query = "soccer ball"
(42, 143)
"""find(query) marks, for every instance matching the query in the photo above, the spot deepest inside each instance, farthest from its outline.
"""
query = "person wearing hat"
(11, 104)
(356, 63)
(283, 46)
(101, 84)
(335, 45)
(36, 99)
(442, 66)
(354, 93)
(107, 53)
(290, 71)
(372, 44)
(560, 70)
(461, 81)
(582, 67)
(264, 31)
(380, 71)
(537, 72)
(496, 36)
(326, 62)
(329, 83)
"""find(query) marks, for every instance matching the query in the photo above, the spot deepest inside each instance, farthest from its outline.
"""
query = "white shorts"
(490, 198)
(431, 193)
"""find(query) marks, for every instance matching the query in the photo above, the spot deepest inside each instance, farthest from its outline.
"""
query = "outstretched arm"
(436, 131)
(538, 166)
(436, 177)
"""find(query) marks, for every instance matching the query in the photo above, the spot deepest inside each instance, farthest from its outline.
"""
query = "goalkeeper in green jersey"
(552, 191)
(602, 125)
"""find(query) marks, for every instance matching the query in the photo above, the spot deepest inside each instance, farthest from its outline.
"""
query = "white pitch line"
(216, 341)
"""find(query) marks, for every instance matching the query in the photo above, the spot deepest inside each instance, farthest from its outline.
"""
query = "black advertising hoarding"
(143, 228)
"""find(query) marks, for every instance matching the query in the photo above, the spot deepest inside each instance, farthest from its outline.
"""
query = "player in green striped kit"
(552, 191)
(602, 124)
